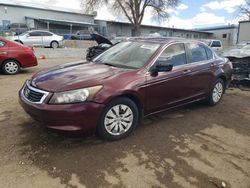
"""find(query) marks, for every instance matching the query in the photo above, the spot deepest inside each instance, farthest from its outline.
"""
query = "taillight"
(29, 50)
(230, 64)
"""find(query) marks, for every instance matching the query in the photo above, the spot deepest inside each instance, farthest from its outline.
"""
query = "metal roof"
(42, 7)
(219, 28)
(56, 21)
(160, 27)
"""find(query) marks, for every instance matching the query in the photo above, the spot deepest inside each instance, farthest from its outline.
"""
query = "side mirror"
(27, 35)
(161, 66)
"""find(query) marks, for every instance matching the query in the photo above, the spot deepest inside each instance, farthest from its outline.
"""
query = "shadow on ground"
(187, 147)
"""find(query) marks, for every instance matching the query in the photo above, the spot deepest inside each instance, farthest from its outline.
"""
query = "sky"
(189, 14)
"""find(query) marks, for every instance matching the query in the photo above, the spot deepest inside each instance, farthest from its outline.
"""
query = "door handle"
(212, 65)
(186, 71)
(3, 53)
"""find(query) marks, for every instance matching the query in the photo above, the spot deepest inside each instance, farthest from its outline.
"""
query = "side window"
(2, 44)
(196, 53)
(216, 43)
(35, 34)
(210, 54)
(174, 54)
(45, 34)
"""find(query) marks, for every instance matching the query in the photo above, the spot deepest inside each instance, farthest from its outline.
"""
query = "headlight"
(75, 96)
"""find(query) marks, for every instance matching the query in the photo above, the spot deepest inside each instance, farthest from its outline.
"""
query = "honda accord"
(134, 79)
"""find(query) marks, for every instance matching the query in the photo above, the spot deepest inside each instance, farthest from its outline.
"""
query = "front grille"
(33, 94)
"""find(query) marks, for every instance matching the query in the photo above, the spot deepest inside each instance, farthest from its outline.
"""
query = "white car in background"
(216, 45)
(39, 38)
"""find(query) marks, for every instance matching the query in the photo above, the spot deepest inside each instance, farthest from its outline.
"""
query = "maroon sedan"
(14, 56)
(131, 80)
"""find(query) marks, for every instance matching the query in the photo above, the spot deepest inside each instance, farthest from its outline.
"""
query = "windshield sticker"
(149, 47)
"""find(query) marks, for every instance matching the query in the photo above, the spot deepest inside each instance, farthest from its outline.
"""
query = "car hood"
(100, 39)
(238, 53)
(73, 76)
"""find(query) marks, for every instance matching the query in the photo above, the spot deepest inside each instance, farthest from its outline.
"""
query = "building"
(244, 32)
(119, 29)
(227, 34)
(38, 16)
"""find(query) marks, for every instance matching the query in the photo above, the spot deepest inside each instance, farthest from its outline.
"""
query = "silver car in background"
(39, 38)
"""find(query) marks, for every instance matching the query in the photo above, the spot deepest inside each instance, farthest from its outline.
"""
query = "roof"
(160, 27)
(42, 7)
(245, 21)
(222, 27)
(56, 21)
(162, 40)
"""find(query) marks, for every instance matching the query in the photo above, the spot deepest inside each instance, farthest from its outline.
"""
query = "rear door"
(46, 38)
(202, 67)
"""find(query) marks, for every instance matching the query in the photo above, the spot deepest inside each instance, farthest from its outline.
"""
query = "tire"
(119, 118)
(54, 44)
(10, 67)
(216, 92)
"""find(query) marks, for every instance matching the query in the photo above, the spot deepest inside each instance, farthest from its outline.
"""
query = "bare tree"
(244, 9)
(134, 10)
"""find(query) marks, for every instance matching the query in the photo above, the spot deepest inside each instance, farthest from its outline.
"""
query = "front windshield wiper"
(119, 66)
(110, 64)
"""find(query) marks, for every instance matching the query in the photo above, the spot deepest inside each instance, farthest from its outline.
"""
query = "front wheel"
(118, 120)
(216, 93)
(54, 44)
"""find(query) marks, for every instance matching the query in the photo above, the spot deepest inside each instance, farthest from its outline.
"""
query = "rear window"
(196, 53)
(33, 34)
(46, 34)
(216, 44)
(210, 54)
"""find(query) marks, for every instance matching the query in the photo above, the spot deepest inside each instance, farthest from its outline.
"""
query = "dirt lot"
(193, 146)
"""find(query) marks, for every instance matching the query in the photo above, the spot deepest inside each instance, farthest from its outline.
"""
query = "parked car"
(18, 28)
(14, 56)
(216, 45)
(39, 38)
(131, 80)
(240, 58)
(81, 35)
(103, 45)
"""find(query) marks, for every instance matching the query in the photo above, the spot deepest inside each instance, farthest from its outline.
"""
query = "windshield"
(128, 54)
(24, 33)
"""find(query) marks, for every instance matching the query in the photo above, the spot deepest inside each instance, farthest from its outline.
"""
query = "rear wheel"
(119, 119)
(217, 92)
(10, 67)
(54, 44)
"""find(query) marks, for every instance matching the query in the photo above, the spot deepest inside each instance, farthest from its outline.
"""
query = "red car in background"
(14, 56)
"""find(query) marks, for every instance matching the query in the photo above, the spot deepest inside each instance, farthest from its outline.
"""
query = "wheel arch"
(224, 78)
(9, 59)
(135, 99)
(54, 41)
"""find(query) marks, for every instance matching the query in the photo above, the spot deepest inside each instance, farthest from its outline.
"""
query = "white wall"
(17, 14)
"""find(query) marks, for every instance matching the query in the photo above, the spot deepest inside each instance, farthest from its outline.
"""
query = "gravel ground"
(193, 146)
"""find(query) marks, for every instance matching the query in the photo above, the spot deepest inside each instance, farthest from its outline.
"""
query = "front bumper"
(61, 43)
(66, 117)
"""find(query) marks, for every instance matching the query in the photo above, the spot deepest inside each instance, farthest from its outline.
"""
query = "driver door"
(167, 89)
(33, 38)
